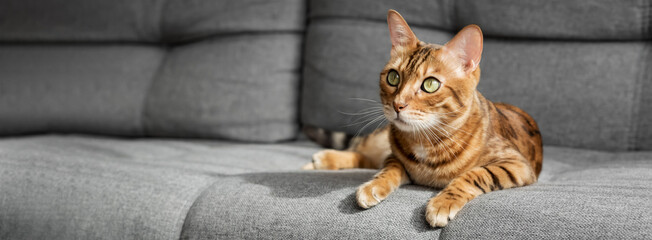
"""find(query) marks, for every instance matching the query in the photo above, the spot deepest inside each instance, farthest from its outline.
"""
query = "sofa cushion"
(80, 20)
(198, 69)
(586, 195)
(584, 89)
(185, 20)
(80, 187)
(304, 205)
(541, 19)
(149, 21)
(242, 87)
(559, 19)
(74, 88)
(580, 194)
(582, 94)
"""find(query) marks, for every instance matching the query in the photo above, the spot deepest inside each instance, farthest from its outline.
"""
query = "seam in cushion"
(635, 121)
(644, 76)
(144, 104)
(182, 222)
(166, 51)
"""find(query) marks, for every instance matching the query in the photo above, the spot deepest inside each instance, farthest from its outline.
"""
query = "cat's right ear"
(400, 33)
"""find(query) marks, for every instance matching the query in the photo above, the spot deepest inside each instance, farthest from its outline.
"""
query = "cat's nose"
(398, 106)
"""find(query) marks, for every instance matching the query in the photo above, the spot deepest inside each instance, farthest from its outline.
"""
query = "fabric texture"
(583, 195)
(559, 19)
(64, 187)
(74, 88)
(81, 187)
(583, 88)
(149, 21)
(80, 20)
(576, 189)
(195, 69)
(584, 98)
(242, 87)
(541, 19)
(191, 20)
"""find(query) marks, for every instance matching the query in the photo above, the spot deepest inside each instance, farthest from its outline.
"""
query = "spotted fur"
(452, 139)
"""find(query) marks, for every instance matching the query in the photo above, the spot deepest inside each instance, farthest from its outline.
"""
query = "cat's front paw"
(371, 193)
(442, 209)
(322, 160)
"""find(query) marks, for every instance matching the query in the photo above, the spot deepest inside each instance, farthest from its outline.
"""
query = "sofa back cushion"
(582, 70)
(176, 68)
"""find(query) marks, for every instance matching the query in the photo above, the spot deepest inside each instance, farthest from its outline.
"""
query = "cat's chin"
(403, 126)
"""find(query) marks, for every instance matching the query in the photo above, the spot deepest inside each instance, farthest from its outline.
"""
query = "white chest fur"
(420, 152)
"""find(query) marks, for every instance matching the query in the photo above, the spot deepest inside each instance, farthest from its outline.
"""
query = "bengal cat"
(443, 133)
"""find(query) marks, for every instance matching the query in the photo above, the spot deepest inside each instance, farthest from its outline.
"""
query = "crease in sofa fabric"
(188, 206)
(643, 134)
(144, 128)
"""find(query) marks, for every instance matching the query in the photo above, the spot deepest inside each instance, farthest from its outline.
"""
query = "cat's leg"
(330, 159)
(387, 180)
(366, 152)
(500, 174)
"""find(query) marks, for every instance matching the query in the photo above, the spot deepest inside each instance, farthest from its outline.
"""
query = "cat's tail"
(330, 139)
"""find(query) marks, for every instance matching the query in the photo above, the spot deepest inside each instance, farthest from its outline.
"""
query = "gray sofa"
(180, 119)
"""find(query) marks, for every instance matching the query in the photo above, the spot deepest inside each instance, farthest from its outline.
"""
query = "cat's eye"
(430, 85)
(393, 78)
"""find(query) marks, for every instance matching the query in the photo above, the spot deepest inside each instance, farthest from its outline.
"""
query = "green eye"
(430, 85)
(393, 78)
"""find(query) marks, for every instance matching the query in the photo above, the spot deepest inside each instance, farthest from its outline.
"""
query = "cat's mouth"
(403, 123)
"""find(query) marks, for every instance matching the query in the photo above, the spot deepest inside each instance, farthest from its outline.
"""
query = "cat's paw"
(441, 210)
(371, 193)
(320, 160)
(309, 166)
(328, 159)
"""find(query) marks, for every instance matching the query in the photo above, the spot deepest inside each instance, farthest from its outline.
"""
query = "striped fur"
(453, 139)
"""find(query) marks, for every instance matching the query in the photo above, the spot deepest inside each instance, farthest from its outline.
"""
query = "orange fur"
(452, 138)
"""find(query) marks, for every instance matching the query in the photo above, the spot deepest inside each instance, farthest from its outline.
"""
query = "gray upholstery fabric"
(643, 125)
(584, 98)
(573, 199)
(593, 196)
(79, 187)
(559, 19)
(588, 94)
(209, 69)
(80, 20)
(186, 20)
(74, 88)
(437, 14)
(541, 19)
(144, 20)
(305, 205)
(63, 187)
(242, 87)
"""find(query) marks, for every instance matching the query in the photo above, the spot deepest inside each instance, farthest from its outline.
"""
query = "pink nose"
(399, 106)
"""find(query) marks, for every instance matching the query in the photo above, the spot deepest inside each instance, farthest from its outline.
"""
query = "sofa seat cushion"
(581, 194)
(82, 187)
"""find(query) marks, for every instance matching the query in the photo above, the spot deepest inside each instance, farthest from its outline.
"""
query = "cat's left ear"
(400, 33)
(467, 47)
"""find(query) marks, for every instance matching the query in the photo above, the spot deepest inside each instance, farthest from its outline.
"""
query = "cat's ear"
(400, 33)
(467, 47)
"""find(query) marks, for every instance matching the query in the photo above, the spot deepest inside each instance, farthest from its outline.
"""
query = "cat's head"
(427, 85)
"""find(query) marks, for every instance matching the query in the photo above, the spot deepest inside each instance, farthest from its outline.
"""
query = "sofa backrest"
(173, 68)
(582, 69)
